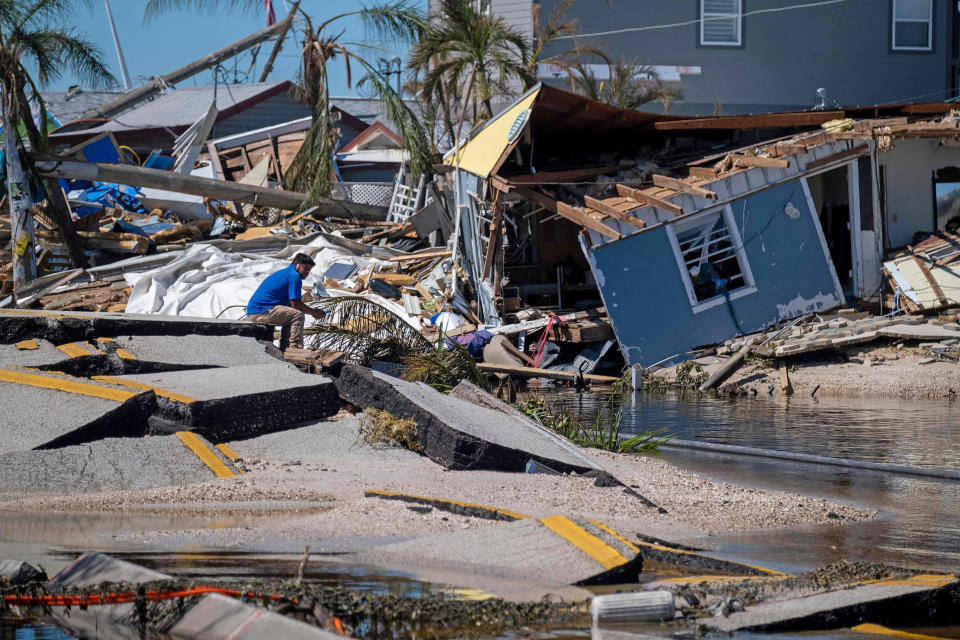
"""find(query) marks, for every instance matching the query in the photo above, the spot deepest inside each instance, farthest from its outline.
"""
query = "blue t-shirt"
(278, 289)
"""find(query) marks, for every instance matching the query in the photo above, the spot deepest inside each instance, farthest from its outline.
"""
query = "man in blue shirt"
(278, 301)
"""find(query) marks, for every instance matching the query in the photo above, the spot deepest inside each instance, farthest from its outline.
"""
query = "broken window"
(913, 25)
(712, 259)
(720, 22)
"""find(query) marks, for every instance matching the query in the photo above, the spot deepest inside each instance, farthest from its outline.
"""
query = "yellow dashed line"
(78, 349)
(390, 494)
(66, 385)
(28, 345)
(120, 351)
(607, 556)
(176, 397)
(884, 631)
(206, 454)
(230, 455)
(636, 546)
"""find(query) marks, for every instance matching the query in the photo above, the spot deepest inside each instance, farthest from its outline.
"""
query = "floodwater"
(919, 521)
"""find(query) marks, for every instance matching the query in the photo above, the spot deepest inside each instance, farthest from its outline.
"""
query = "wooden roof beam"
(684, 187)
(642, 198)
(760, 161)
(584, 219)
(609, 210)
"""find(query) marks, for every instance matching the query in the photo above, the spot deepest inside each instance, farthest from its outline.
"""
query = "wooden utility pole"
(18, 195)
(120, 103)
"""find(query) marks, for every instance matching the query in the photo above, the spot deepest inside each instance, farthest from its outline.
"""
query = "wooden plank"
(544, 201)
(685, 187)
(540, 323)
(703, 172)
(937, 290)
(849, 153)
(584, 219)
(493, 235)
(758, 121)
(549, 177)
(642, 198)
(532, 372)
(607, 209)
(785, 386)
(433, 253)
(782, 149)
(760, 161)
(396, 279)
(583, 331)
(275, 154)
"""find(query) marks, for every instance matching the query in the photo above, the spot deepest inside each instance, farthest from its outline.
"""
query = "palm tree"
(399, 20)
(462, 47)
(630, 86)
(556, 28)
(34, 52)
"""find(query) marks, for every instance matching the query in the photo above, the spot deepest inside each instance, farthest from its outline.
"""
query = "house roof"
(185, 105)
(67, 106)
(374, 137)
(551, 110)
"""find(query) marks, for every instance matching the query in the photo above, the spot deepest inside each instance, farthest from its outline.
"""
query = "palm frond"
(442, 368)
(156, 8)
(364, 331)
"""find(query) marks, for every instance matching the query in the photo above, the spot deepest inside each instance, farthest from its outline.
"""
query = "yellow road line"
(28, 345)
(389, 494)
(78, 349)
(120, 351)
(176, 397)
(636, 546)
(884, 631)
(718, 579)
(607, 556)
(66, 385)
(230, 455)
(205, 453)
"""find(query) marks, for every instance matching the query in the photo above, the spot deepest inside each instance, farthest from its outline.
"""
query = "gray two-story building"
(749, 56)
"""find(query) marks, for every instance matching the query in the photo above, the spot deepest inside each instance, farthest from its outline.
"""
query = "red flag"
(271, 16)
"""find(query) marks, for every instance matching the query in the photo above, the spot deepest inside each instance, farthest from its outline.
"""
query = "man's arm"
(319, 314)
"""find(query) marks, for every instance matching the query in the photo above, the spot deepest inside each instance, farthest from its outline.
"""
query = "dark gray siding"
(274, 110)
(785, 56)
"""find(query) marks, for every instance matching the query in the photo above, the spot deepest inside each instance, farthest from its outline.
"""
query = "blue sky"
(177, 38)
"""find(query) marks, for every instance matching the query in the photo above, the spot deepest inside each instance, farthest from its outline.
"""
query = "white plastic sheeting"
(205, 281)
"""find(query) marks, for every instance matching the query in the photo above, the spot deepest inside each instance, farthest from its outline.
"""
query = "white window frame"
(704, 16)
(893, 33)
(735, 237)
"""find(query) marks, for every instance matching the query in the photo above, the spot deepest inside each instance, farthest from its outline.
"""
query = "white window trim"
(692, 221)
(893, 18)
(739, 17)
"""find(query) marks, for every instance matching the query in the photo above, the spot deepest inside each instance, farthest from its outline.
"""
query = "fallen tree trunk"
(207, 187)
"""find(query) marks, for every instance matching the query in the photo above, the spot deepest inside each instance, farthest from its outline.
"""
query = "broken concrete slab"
(217, 617)
(455, 433)
(46, 353)
(46, 410)
(194, 350)
(232, 403)
(70, 326)
(910, 331)
(892, 602)
(554, 551)
(113, 464)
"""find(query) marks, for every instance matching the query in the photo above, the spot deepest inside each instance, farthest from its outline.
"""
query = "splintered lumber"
(548, 177)
(533, 372)
(582, 331)
(183, 231)
(195, 185)
(396, 279)
(637, 196)
(433, 253)
(703, 172)
(608, 209)
(535, 196)
(685, 187)
(786, 149)
(115, 242)
(760, 161)
(539, 323)
(849, 153)
(584, 219)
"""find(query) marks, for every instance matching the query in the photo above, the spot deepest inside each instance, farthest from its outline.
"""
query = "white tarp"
(205, 281)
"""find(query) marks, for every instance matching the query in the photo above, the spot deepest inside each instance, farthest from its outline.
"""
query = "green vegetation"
(443, 369)
(603, 433)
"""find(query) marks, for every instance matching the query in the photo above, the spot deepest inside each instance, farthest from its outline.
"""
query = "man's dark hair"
(304, 259)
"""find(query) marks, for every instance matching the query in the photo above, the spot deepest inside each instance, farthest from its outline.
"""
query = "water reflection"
(919, 524)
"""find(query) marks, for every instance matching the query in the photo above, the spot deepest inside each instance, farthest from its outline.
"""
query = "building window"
(912, 25)
(711, 258)
(720, 22)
